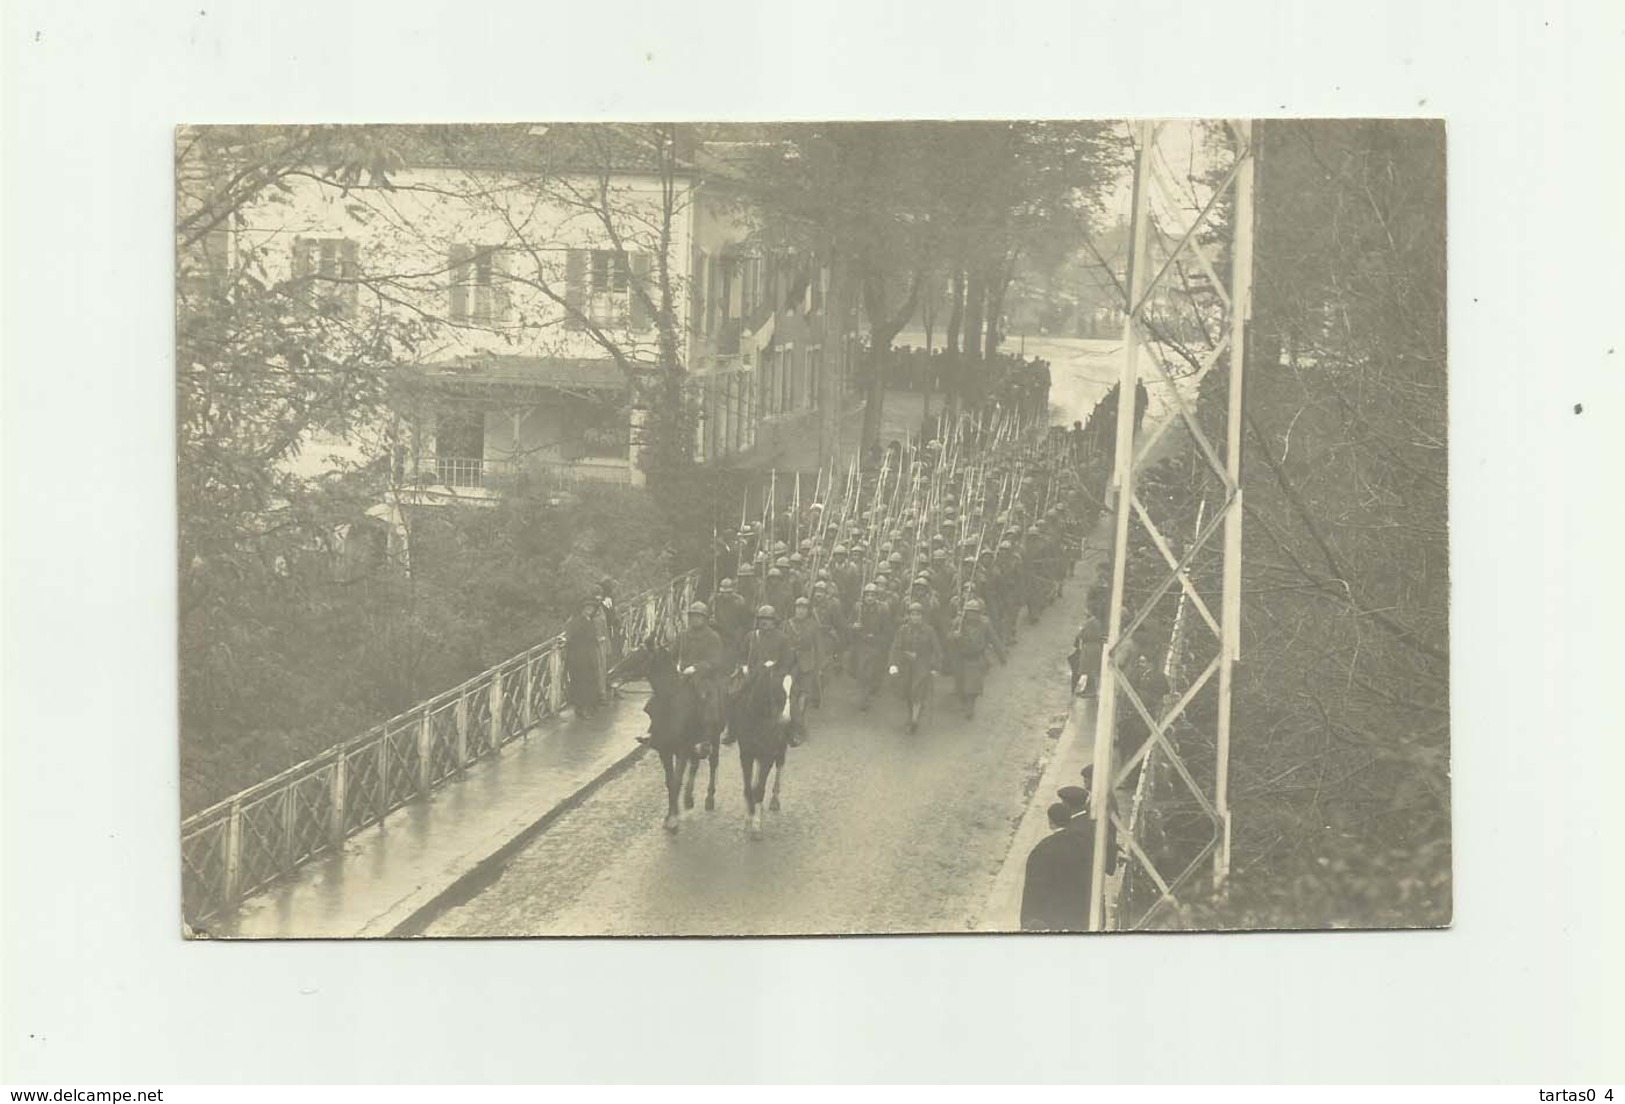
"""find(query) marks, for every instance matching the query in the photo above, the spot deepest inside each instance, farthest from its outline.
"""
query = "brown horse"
(677, 727)
(759, 718)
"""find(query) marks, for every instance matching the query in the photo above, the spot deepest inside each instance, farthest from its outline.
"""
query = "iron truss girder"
(1165, 723)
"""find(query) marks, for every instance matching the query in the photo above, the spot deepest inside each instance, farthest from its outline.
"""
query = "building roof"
(552, 373)
(535, 147)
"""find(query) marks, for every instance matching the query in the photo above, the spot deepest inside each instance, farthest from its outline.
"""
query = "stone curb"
(411, 916)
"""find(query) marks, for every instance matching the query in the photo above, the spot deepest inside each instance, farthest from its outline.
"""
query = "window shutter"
(696, 292)
(459, 267)
(303, 269)
(575, 288)
(641, 292)
(350, 274)
(501, 301)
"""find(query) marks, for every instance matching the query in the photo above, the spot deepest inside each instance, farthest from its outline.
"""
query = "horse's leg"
(691, 768)
(672, 768)
(745, 766)
(778, 776)
(758, 787)
(711, 779)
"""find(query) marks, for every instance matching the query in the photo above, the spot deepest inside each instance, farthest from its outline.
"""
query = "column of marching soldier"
(924, 565)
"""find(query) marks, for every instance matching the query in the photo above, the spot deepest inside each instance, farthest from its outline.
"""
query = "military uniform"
(771, 643)
(916, 652)
(806, 667)
(732, 614)
(871, 634)
(971, 645)
(848, 583)
(701, 648)
(778, 593)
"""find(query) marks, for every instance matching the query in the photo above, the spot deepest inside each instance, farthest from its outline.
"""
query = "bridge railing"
(242, 844)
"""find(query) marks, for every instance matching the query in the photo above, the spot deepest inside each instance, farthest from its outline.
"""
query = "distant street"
(1082, 369)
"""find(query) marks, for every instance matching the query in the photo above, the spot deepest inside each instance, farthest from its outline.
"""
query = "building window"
(611, 272)
(479, 285)
(329, 269)
(605, 287)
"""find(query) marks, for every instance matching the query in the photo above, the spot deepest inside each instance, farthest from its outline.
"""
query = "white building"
(534, 266)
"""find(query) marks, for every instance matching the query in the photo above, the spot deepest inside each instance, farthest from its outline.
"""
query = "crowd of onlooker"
(1005, 379)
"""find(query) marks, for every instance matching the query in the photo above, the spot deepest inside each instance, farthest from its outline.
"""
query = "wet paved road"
(880, 831)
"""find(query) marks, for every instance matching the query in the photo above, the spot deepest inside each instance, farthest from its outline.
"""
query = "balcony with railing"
(461, 473)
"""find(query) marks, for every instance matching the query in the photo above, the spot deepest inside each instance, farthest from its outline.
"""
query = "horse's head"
(784, 696)
(766, 692)
(648, 660)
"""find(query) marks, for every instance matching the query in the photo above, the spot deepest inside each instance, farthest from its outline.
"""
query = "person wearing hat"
(941, 574)
(970, 644)
(749, 587)
(807, 645)
(848, 580)
(1055, 891)
(777, 593)
(767, 646)
(1035, 554)
(1087, 649)
(890, 598)
(611, 644)
(871, 633)
(989, 586)
(700, 657)
(916, 654)
(731, 615)
(767, 642)
(1060, 868)
(584, 658)
(826, 611)
(796, 573)
(936, 612)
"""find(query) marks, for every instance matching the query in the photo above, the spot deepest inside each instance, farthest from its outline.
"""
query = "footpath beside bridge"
(359, 839)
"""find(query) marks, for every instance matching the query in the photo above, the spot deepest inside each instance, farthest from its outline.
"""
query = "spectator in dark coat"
(1055, 895)
(584, 659)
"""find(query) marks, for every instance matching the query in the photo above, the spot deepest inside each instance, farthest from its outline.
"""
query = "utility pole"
(1151, 272)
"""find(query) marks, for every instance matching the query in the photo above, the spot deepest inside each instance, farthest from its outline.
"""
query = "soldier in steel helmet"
(700, 657)
(916, 655)
(971, 642)
(871, 634)
(731, 617)
(806, 689)
(767, 646)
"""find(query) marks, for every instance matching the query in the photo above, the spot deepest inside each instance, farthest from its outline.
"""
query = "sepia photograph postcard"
(812, 528)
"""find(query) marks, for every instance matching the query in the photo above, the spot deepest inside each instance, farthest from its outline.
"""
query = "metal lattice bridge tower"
(1162, 736)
